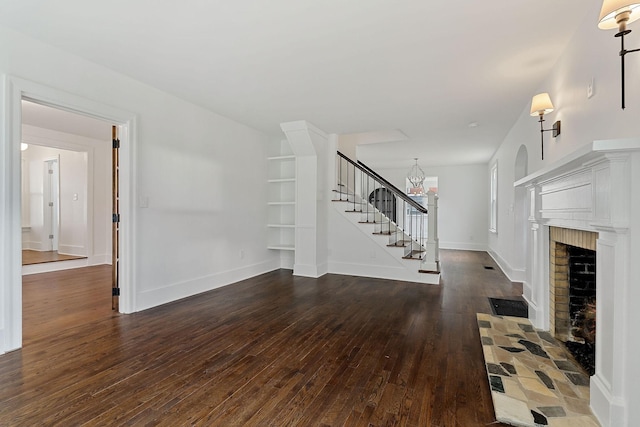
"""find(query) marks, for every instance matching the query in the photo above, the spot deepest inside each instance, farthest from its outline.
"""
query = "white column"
(311, 147)
(432, 257)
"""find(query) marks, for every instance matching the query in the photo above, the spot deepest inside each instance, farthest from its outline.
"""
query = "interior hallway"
(271, 350)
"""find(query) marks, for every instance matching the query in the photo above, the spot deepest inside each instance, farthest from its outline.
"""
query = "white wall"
(463, 193)
(192, 169)
(347, 145)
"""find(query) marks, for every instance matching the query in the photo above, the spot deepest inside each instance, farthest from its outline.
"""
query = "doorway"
(65, 189)
(65, 161)
(55, 225)
(10, 243)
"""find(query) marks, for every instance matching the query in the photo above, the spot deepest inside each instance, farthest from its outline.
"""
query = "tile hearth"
(533, 380)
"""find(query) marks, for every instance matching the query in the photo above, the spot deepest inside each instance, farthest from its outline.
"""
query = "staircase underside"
(382, 233)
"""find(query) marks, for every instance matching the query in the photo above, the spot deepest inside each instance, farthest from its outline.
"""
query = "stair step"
(346, 198)
(398, 244)
(349, 201)
(415, 255)
(437, 271)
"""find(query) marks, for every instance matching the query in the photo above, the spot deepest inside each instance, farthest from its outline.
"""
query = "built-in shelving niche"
(281, 205)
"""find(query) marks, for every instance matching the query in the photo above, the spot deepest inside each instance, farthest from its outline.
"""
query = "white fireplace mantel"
(597, 189)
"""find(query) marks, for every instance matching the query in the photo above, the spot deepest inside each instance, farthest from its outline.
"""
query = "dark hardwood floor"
(272, 350)
(53, 302)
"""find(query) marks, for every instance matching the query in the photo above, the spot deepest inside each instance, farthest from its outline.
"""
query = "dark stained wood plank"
(272, 350)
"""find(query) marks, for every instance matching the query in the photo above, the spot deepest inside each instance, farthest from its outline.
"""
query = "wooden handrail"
(370, 172)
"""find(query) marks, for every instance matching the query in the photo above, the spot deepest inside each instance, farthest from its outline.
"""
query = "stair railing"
(392, 211)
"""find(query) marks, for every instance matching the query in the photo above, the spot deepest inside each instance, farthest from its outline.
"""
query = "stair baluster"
(414, 229)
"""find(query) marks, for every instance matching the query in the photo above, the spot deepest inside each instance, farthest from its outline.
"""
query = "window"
(493, 226)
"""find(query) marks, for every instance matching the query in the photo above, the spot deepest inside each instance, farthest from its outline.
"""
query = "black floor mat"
(508, 307)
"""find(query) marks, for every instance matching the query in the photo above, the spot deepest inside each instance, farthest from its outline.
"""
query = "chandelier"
(416, 178)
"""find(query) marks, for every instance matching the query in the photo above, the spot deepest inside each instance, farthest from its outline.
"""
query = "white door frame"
(16, 89)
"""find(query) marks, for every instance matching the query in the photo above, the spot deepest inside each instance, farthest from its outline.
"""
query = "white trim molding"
(15, 90)
(513, 274)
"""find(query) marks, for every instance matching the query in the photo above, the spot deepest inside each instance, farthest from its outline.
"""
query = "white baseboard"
(515, 275)
(610, 411)
(177, 291)
(526, 290)
(72, 250)
(463, 246)
(54, 266)
(308, 270)
(65, 265)
(34, 246)
(533, 312)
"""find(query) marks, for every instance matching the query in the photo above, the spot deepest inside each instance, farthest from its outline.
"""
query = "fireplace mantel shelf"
(580, 157)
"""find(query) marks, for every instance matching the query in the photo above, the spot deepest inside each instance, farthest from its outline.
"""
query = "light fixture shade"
(23, 146)
(541, 104)
(612, 8)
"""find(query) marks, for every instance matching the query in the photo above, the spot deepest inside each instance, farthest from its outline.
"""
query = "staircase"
(392, 219)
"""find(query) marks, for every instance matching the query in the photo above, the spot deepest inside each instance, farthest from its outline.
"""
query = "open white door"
(51, 204)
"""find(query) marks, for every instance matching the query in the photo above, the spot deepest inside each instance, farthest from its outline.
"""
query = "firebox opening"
(572, 286)
(581, 340)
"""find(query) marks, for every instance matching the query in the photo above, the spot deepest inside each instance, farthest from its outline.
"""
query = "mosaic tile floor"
(533, 381)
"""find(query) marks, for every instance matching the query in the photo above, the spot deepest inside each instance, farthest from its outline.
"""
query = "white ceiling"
(424, 68)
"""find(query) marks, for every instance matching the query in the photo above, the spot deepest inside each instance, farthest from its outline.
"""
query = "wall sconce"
(618, 14)
(541, 105)
(23, 146)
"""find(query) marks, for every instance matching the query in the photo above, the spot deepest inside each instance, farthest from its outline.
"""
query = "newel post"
(432, 257)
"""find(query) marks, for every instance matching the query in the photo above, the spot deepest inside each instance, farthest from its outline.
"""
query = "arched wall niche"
(521, 168)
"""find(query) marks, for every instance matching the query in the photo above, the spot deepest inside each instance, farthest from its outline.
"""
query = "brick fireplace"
(572, 292)
(559, 241)
(591, 200)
